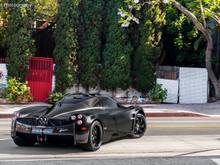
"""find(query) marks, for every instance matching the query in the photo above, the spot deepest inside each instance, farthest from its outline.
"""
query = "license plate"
(37, 130)
(47, 131)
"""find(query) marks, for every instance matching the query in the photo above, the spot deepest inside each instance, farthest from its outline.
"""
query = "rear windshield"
(79, 100)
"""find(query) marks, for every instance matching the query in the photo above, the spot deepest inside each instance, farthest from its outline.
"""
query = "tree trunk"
(217, 66)
(199, 26)
(211, 74)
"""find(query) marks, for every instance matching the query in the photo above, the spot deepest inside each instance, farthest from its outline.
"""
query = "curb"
(7, 115)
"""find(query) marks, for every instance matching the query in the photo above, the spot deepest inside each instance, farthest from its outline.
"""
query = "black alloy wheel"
(139, 126)
(95, 137)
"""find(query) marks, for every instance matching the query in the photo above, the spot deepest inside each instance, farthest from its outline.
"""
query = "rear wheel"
(139, 126)
(95, 137)
(23, 142)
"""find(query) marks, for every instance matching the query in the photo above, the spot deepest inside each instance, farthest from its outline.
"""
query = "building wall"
(193, 85)
(4, 73)
(190, 86)
(172, 87)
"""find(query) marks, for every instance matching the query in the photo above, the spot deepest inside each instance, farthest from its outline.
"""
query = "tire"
(95, 137)
(23, 142)
(140, 126)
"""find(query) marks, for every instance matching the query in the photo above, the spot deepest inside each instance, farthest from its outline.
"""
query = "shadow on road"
(8, 147)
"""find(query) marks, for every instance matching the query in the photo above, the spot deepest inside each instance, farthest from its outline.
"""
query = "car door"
(123, 120)
(120, 115)
(108, 120)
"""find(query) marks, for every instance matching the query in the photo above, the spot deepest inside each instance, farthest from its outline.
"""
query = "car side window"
(99, 104)
(106, 102)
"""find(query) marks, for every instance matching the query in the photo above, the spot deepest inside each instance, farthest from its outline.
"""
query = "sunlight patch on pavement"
(217, 161)
(5, 139)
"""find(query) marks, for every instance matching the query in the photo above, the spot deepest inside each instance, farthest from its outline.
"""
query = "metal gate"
(39, 77)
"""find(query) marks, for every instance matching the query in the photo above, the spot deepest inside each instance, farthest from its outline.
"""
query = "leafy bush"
(18, 91)
(158, 93)
(54, 97)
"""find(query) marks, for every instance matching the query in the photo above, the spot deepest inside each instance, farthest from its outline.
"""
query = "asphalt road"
(188, 141)
(121, 161)
(183, 126)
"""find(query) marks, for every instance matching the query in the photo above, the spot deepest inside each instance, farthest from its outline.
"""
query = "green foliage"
(18, 91)
(177, 21)
(46, 9)
(90, 42)
(158, 93)
(143, 57)
(197, 59)
(177, 24)
(117, 51)
(154, 20)
(3, 16)
(2, 36)
(19, 41)
(65, 51)
(145, 39)
(54, 97)
(154, 17)
(144, 67)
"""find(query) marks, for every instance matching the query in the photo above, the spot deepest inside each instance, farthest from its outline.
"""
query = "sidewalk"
(151, 110)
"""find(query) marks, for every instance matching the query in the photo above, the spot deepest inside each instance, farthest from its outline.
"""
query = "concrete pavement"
(147, 146)
(119, 161)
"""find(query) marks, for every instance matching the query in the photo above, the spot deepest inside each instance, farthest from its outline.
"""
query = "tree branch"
(193, 18)
(202, 12)
(199, 26)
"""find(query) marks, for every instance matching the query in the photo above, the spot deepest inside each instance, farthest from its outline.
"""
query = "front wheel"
(95, 137)
(140, 126)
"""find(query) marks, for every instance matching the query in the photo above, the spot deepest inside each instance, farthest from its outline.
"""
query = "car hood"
(34, 112)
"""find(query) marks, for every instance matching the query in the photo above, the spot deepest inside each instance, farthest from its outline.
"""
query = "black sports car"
(79, 119)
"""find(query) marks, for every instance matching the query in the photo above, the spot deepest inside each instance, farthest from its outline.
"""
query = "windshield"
(70, 103)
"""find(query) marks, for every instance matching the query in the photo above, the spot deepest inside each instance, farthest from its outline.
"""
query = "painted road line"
(217, 161)
(5, 139)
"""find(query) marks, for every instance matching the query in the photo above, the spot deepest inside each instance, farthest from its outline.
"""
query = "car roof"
(87, 95)
(87, 98)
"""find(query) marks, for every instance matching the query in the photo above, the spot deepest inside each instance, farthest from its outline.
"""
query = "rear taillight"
(80, 116)
(78, 119)
(79, 122)
(73, 117)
